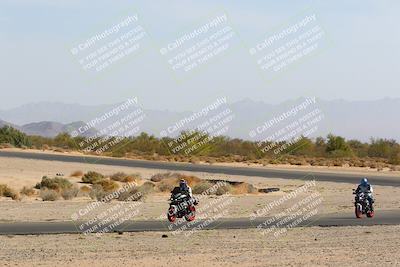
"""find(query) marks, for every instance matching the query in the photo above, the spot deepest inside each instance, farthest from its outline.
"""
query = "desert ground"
(313, 246)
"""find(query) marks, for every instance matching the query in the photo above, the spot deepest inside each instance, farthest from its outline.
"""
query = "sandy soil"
(337, 197)
(315, 246)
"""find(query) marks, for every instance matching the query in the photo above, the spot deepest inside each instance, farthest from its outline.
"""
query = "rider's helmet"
(364, 181)
(183, 184)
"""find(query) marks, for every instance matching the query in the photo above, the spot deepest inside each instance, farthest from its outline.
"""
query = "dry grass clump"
(78, 174)
(137, 193)
(167, 181)
(27, 191)
(85, 189)
(244, 188)
(125, 178)
(6, 191)
(49, 194)
(201, 187)
(108, 185)
(92, 177)
(70, 193)
(166, 185)
(147, 188)
(97, 192)
(223, 189)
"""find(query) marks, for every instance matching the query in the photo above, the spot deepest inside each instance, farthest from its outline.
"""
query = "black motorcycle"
(181, 205)
(362, 205)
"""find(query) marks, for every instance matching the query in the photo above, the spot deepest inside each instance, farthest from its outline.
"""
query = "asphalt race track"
(259, 172)
(348, 219)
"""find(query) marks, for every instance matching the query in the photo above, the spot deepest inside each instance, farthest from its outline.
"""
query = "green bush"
(56, 183)
(14, 137)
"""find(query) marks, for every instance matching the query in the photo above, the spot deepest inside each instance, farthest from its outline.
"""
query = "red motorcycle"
(181, 205)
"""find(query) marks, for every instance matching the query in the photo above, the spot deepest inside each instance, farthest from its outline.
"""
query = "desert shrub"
(167, 175)
(146, 188)
(84, 191)
(27, 191)
(70, 193)
(108, 185)
(6, 191)
(77, 174)
(97, 192)
(131, 195)
(56, 183)
(166, 185)
(49, 194)
(251, 189)
(201, 187)
(223, 189)
(125, 178)
(92, 177)
(119, 176)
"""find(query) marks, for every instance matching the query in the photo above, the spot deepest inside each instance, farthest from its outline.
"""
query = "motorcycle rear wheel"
(190, 217)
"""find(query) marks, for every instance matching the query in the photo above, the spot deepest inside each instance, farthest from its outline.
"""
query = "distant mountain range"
(351, 119)
(48, 128)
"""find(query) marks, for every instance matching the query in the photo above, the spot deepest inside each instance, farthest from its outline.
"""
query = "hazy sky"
(36, 38)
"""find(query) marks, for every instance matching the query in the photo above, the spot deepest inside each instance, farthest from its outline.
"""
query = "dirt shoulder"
(314, 246)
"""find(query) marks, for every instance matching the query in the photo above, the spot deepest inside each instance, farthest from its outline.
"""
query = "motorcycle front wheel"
(358, 211)
(171, 215)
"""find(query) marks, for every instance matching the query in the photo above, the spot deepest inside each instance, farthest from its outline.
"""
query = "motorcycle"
(181, 206)
(362, 205)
